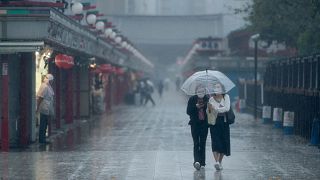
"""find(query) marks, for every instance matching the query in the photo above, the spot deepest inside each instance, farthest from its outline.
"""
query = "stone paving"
(154, 143)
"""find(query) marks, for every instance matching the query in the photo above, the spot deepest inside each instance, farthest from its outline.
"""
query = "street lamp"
(255, 39)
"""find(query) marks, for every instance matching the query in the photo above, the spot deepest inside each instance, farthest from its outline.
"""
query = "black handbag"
(230, 116)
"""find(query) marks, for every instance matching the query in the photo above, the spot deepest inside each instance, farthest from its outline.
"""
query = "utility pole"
(255, 39)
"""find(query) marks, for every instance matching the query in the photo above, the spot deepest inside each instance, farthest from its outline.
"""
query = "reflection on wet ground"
(154, 143)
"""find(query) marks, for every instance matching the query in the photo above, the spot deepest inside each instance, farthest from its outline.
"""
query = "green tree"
(295, 22)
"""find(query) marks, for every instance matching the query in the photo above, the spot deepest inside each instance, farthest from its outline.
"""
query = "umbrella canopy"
(213, 81)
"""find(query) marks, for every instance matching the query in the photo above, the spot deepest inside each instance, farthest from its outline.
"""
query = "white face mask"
(201, 93)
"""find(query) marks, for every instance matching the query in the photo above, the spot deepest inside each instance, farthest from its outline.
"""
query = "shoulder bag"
(230, 116)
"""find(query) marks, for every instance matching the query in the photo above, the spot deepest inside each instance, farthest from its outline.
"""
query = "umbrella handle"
(207, 80)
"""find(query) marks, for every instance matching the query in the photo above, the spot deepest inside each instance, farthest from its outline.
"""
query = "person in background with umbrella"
(220, 131)
(148, 90)
(196, 110)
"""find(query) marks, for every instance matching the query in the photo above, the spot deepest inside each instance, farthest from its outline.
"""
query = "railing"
(294, 85)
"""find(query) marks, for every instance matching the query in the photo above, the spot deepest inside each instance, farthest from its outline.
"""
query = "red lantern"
(114, 69)
(105, 68)
(119, 71)
(64, 61)
(95, 71)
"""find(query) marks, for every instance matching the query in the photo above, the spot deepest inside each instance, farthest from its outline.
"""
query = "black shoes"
(196, 165)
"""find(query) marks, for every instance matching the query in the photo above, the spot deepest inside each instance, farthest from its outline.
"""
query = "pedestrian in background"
(196, 110)
(45, 107)
(160, 87)
(219, 103)
(141, 89)
(148, 89)
(178, 81)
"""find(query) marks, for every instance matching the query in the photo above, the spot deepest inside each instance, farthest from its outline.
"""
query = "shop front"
(35, 42)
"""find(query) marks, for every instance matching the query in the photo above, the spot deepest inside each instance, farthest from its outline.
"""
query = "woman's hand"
(210, 107)
(199, 105)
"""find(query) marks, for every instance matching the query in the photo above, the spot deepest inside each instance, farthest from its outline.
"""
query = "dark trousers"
(149, 98)
(43, 127)
(141, 98)
(199, 134)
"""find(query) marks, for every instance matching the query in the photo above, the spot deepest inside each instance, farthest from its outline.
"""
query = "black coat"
(192, 110)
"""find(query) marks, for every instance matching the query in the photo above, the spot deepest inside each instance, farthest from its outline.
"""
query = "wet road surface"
(154, 143)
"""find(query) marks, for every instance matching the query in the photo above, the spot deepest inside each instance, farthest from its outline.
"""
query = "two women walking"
(199, 107)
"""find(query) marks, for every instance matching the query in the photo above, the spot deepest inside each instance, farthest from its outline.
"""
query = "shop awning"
(8, 47)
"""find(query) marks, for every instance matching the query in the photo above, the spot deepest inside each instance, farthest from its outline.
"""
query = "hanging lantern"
(119, 71)
(114, 69)
(77, 8)
(124, 44)
(105, 68)
(118, 40)
(108, 32)
(64, 61)
(95, 70)
(113, 35)
(91, 19)
(100, 25)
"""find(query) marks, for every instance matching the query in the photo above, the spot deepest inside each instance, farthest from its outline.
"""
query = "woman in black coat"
(196, 110)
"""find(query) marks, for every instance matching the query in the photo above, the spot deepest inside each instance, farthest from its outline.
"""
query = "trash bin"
(315, 131)
(266, 114)
(242, 105)
(277, 117)
(288, 122)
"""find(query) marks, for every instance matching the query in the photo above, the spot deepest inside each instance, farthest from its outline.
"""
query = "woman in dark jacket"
(196, 109)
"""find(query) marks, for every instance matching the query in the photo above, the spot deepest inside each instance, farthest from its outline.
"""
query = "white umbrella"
(213, 81)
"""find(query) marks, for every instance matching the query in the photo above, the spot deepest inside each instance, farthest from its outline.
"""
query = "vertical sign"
(4, 69)
(5, 104)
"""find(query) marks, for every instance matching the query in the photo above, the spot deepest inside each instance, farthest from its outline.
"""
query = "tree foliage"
(295, 22)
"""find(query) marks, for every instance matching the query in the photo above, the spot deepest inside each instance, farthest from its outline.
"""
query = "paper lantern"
(108, 32)
(124, 44)
(64, 61)
(100, 25)
(77, 8)
(113, 35)
(95, 70)
(119, 71)
(91, 19)
(118, 40)
(105, 68)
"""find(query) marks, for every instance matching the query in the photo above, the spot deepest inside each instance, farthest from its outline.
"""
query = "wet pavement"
(154, 143)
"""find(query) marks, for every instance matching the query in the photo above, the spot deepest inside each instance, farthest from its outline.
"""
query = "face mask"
(218, 90)
(200, 93)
